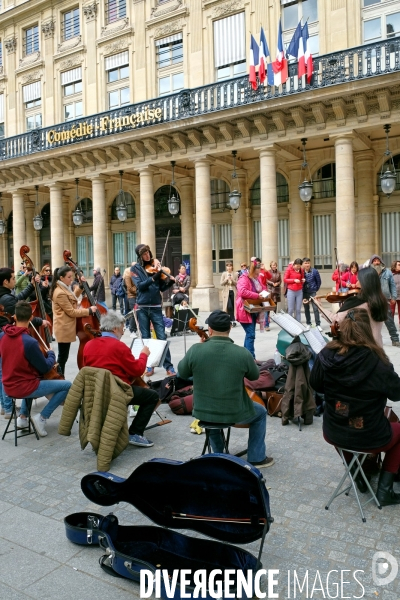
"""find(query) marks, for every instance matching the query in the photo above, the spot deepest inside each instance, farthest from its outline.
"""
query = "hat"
(219, 321)
(141, 249)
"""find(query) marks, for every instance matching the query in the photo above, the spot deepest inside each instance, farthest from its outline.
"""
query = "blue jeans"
(256, 449)
(58, 387)
(5, 401)
(391, 327)
(250, 330)
(295, 299)
(145, 315)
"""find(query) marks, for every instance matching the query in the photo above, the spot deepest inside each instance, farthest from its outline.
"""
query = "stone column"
(57, 225)
(30, 234)
(99, 223)
(297, 215)
(239, 224)
(147, 218)
(377, 245)
(268, 206)
(67, 224)
(205, 296)
(19, 233)
(365, 210)
(345, 207)
(188, 247)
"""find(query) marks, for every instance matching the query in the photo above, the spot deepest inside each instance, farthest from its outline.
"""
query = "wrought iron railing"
(361, 62)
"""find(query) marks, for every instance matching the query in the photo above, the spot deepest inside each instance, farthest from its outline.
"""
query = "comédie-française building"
(110, 108)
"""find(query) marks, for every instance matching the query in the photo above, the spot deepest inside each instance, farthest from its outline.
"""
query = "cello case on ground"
(226, 494)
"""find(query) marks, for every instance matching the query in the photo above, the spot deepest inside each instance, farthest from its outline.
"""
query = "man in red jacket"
(24, 366)
(108, 352)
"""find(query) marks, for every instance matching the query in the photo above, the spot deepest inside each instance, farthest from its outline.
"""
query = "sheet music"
(158, 349)
(315, 339)
(288, 323)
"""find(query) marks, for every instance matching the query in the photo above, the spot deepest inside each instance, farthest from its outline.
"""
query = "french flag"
(264, 53)
(280, 65)
(296, 50)
(308, 61)
(254, 55)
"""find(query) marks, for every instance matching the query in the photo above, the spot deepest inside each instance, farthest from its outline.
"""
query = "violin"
(6, 315)
(38, 308)
(93, 319)
(204, 336)
(152, 270)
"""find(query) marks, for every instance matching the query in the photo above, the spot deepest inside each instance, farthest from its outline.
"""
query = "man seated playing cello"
(108, 352)
(24, 366)
(218, 367)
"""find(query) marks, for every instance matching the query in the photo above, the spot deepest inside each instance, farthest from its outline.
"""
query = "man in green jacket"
(218, 367)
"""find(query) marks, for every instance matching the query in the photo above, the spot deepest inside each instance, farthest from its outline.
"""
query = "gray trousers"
(391, 327)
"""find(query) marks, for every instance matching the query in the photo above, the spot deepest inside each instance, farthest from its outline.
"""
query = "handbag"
(257, 305)
(274, 401)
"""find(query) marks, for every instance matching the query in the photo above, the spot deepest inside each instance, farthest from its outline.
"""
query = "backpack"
(121, 289)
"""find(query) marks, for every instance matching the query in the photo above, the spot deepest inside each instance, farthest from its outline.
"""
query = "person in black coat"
(356, 377)
(115, 282)
(97, 287)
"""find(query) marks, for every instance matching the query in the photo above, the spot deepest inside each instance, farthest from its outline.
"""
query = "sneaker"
(149, 371)
(133, 335)
(395, 343)
(39, 424)
(263, 464)
(22, 423)
(139, 440)
(267, 329)
(171, 372)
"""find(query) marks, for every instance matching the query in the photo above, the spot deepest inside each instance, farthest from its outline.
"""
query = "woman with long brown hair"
(65, 311)
(248, 288)
(356, 377)
(229, 282)
(395, 268)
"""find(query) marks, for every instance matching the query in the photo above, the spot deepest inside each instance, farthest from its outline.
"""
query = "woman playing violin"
(150, 282)
(370, 297)
(65, 311)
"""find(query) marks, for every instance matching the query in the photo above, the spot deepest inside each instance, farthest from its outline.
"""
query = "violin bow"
(39, 336)
(165, 247)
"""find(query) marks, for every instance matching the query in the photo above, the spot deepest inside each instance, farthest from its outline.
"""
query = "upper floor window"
(380, 21)
(115, 9)
(219, 194)
(324, 182)
(1, 115)
(31, 40)
(33, 101)
(294, 11)
(1, 53)
(282, 190)
(71, 83)
(70, 26)
(169, 51)
(117, 69)
(229, 46)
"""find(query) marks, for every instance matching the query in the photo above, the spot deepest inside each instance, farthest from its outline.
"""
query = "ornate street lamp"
(122, 209)
(389, 177)
(37, 219)
(2, 222)
(173, 201)
(234, 195)
(305, 188)
(77, 215)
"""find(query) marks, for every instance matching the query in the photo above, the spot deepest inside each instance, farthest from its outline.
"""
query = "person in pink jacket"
(248, 288)
(294, 279)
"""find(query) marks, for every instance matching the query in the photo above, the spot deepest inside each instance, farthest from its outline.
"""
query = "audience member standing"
(115, 282)
(131, 298)
(274, 283)
(310, 288)
(180, 289)
(294, 278)
(390, 292)
(97, 287)
(396, 277)
(229, 289)
(249, 287)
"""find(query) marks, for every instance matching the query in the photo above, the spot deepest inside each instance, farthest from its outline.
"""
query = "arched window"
(219, 193)
(324, 182)
(130, 205)
(161, 200)
(86, 206)
(282, 190)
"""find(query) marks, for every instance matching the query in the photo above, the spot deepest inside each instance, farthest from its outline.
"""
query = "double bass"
(38, 307)
(93, 320)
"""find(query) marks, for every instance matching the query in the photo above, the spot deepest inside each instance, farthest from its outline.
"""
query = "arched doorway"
(45, 237)
(166, 222)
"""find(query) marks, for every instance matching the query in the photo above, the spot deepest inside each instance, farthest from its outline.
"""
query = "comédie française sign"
(107, 124)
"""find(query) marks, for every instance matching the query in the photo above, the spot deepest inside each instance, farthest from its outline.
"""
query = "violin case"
(216, 495)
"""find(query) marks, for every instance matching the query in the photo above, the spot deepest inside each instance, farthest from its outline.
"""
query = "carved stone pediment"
(70, 63)
(165, 8)
(168, 28)
(114, 27)
(119, 44)
(69, 44)
(227, 8)
(32, 76)
(28, 60)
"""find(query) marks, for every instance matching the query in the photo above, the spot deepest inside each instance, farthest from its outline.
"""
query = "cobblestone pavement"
(40, 485)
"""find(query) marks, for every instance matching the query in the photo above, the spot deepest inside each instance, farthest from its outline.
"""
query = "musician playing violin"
(218, 367)
(8, 299)
(66, 311)
(150, 282)
(108, 352)
(24, 366)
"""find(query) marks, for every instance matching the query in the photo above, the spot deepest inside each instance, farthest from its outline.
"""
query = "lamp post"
(37, 219)
(122, 209)
(77, 215)
(306, 187)
(173, 201)
(234, 195)
(389, 177)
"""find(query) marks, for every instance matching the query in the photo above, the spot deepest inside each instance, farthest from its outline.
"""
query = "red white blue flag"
(307, 54)
(280, 65)
(264, 53)
(253, 62)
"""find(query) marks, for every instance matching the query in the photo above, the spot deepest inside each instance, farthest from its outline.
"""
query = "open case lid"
(218, 495)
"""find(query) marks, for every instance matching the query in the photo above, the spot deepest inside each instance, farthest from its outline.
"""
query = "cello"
(93, 320)
(38, 307)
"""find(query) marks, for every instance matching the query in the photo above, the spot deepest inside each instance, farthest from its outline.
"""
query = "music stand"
(181, 320)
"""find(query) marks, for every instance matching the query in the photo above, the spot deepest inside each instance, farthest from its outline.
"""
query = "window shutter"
(71, 76)
(117, 60)
(31, 91)
(229, 40)
(225, 237)
(168, 40)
